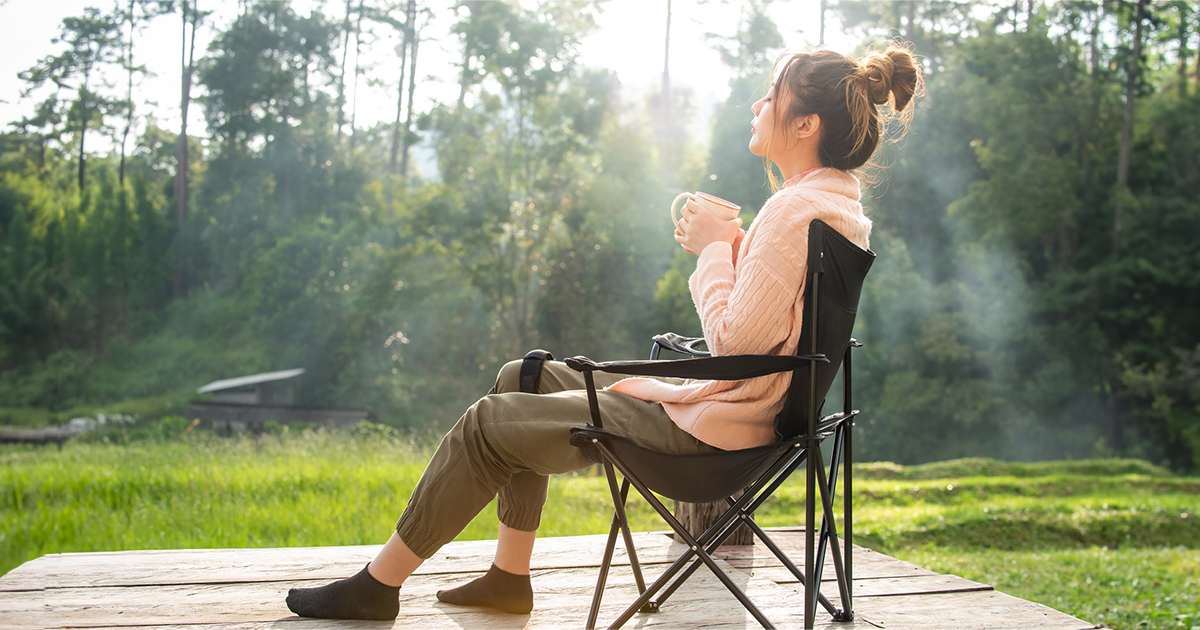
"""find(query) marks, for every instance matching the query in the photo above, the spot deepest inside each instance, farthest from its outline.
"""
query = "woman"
(818, 121)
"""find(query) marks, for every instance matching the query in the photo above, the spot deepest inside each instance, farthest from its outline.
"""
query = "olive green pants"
(508, 442)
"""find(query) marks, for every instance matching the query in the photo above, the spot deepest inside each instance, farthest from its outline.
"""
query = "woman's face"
(762, 129)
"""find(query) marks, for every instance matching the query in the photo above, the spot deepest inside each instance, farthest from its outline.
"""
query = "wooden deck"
(245, 588)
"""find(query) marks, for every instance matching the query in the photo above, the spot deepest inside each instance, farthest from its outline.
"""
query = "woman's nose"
(756, 107)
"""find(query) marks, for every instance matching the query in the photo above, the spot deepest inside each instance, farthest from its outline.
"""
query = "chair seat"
(692, 478)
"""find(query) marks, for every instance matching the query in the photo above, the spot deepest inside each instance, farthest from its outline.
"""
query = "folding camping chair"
(836, 268)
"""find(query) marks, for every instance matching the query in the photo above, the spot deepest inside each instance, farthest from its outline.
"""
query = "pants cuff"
(416, 537)
(525, 520)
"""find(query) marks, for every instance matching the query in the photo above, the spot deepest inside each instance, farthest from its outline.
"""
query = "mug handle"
(686, 195)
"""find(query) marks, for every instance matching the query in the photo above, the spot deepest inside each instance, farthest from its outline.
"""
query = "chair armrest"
(681, 344)
(724, 368)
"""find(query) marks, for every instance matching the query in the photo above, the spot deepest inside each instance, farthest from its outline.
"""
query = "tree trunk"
(82, 134)
(1127, 130)
(1183, 51)
(357, 69)
(187, 65)
(476, 7)
(399, 102)
(665, 152)
(128, 96)
(412, 84)
(824, 6)
(697, 517)
(666, 77)
(341, 88)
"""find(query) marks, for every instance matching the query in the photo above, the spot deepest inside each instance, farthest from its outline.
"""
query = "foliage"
(1013, 311)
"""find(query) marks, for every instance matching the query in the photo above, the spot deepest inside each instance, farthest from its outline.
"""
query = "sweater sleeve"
(749, 310)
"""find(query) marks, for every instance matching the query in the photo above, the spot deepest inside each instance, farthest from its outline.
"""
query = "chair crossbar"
(694, 548)
(745, 517)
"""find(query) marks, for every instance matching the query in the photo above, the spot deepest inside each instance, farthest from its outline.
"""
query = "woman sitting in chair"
(817, 122)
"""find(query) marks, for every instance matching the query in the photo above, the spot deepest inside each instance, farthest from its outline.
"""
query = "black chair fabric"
(841, 267)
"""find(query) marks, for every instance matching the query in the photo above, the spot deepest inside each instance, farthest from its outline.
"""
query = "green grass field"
(1110, 541)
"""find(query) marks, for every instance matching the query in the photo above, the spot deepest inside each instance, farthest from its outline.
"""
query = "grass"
(1110, 541)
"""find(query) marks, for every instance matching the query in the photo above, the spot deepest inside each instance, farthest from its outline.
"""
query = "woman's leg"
(508, 443)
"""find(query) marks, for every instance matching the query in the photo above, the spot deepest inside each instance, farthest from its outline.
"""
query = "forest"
(1035, 294)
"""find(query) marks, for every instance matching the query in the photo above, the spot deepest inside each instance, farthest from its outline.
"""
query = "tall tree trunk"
(412, 85)
(357, 70)
(187, 60)
(824, 7)
(464, 82)
(128, 95)
(666, 152)
(911, 19)
(399, 100)
(665, 104)
(1127, 130)
(341, 88)
(83, 125)
(1184, 34)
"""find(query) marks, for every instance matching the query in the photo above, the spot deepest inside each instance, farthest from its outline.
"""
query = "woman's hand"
(698, 228)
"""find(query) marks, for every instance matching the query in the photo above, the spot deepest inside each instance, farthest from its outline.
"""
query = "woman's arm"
(750, 309)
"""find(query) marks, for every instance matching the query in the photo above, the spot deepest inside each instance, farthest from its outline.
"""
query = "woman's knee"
(508, 379)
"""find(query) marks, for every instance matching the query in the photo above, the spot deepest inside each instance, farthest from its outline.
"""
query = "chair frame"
(789, 455)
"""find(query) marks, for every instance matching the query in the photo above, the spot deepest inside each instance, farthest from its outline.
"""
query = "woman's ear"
(807, 126)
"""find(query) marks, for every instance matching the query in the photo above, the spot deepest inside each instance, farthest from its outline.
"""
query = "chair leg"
(602, 579)
(694, 548)
(829, 527)
(619, 522)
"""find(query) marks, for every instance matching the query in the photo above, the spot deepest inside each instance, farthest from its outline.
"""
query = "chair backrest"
(836, 269)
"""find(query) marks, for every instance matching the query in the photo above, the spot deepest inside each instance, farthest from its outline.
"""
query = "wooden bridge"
(210, 589)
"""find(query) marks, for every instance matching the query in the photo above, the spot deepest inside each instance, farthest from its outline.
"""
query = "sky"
(629, 41)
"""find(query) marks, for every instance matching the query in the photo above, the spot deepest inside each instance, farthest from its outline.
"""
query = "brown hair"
(845, 94)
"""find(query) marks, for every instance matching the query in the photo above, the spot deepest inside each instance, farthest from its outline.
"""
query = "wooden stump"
(697, 517)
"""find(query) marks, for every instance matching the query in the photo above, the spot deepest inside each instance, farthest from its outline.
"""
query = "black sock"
(498, 589)
(358, 597)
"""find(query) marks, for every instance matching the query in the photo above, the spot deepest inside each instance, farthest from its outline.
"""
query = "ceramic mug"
(725, 210)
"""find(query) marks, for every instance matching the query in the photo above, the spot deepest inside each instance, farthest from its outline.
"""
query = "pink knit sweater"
(752, 303)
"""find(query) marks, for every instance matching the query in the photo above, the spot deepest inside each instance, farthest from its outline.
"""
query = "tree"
(189, 13)
(733, 172)
(1131, 82)
(92, 41)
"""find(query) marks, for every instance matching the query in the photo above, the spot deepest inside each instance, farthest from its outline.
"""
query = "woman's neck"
(799, 158)
(790, 169)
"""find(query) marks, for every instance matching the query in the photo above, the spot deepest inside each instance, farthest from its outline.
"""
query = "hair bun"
(891, 75)
(906, 76)
(878, 69)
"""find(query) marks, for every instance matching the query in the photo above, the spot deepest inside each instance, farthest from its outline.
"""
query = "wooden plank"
(867, 563)
(245, 588)
(980, 610)
(563, 598)
(152, 567)
(882, 586)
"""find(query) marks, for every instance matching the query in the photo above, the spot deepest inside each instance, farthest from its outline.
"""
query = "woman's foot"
(357, 597)
(497, 589)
